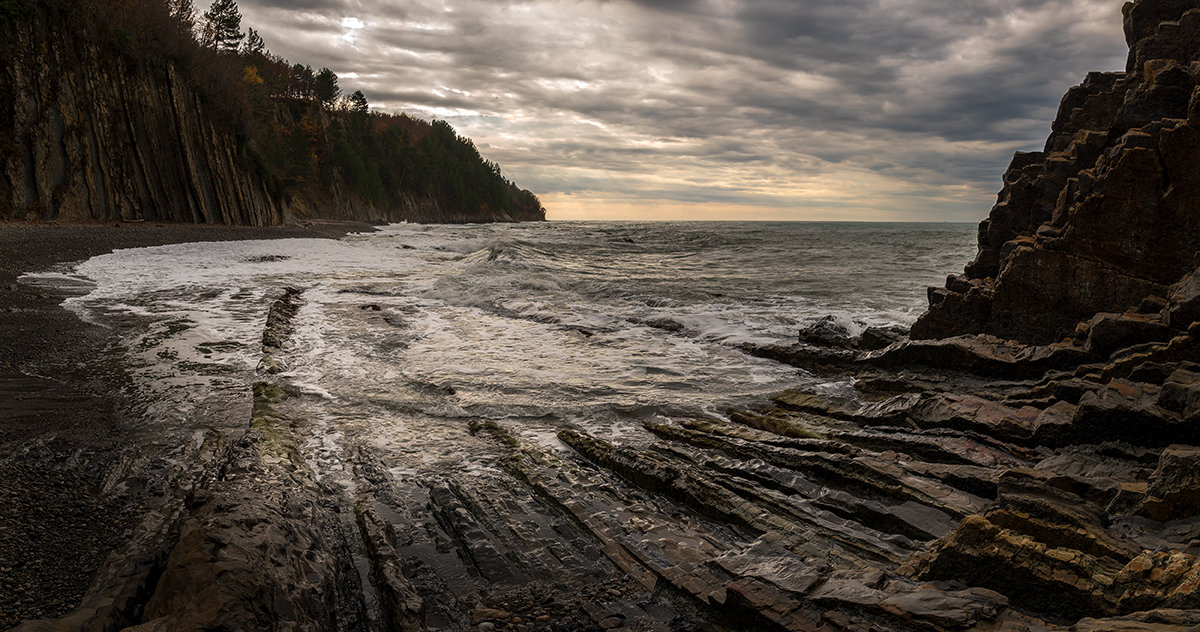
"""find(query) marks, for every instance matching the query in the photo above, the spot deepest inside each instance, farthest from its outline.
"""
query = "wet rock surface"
(71, 490)
(1006, 468)
(947, 508)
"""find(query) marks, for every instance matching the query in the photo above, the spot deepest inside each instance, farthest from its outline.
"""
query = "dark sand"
(59, 422)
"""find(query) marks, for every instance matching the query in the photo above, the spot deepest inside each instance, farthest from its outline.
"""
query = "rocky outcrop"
(1103, 219)
(974, 482)
(88, 132)
(1066, 354)
(1081, 460)
(93, 137)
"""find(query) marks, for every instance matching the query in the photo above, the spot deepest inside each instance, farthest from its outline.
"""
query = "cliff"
(105, 122)
(1068, 348)
(1104, 219)
(982, 481)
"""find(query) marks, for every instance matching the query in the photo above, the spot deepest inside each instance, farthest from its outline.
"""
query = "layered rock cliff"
(1071, 346)
(1104, 219)
(91, 131)
(973, 482)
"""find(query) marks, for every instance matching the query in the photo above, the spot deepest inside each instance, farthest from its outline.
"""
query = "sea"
(415, 329)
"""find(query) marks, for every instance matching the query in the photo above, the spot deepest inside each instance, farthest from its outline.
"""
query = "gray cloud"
(835, 108)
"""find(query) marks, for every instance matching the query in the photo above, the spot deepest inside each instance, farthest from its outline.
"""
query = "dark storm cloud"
(883, 108)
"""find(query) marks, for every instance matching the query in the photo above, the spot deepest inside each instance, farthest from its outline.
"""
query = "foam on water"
(601, 324)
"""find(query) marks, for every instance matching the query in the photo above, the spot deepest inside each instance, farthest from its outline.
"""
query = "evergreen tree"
(301, 81)
(326, 86)
(358, 102)
(254, 44)
(223, 26)
(182, 11)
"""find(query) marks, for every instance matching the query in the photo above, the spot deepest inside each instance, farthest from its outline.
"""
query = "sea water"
(408, 331)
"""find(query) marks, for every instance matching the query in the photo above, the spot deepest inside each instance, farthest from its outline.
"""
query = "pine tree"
(223, 26)
(254, 44)
(326, 86)
(182, 12)
(301, 81)
(358, 102)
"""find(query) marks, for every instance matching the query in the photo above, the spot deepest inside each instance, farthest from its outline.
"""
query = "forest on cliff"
(294, 133)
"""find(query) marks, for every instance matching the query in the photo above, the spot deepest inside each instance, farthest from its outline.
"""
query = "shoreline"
(63, 422)
(811, 512)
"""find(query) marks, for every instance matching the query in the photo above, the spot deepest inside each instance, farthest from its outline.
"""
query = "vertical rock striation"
(89, 132)
(96, 137)
(1105, 218)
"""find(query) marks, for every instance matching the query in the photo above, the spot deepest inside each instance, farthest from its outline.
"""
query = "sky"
(861, 110)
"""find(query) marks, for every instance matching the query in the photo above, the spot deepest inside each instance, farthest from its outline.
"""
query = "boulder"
(1053, 424)
(1108, 332)
(825, 332)
(873, 338)
(1181, 393)
(1173, 491)
(1160, 579)
(1183, 301)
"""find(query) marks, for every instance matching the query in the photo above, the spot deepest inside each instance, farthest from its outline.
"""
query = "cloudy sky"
(721, 109)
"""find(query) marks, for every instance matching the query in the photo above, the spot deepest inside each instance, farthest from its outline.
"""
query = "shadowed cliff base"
(1035, 472)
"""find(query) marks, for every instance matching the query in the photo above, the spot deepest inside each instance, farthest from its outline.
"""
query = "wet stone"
(490, 614)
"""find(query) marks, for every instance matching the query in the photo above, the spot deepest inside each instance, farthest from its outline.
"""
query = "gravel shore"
(60, 422)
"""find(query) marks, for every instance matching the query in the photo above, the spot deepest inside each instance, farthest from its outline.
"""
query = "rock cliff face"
(974, 482)
(1104, 219)
(89, 134)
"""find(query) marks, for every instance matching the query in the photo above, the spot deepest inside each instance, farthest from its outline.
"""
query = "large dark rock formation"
(1038, 476)
(1104, 219)
(89, 131)
(93, 137)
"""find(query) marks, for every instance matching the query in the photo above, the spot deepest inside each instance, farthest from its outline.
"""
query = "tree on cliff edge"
(325, 86)
(223, 26)
(254, 44)
(183, 12)
(358, 102)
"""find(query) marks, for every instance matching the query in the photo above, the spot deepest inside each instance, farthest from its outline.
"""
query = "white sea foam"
(407, 333)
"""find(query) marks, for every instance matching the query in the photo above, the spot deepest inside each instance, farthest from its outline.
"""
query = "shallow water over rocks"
(399, 431)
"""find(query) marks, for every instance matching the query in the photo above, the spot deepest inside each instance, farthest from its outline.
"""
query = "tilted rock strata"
(1092, 254)
(94, 138)
(976, 482)
(1104, 218)
(962, 503)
